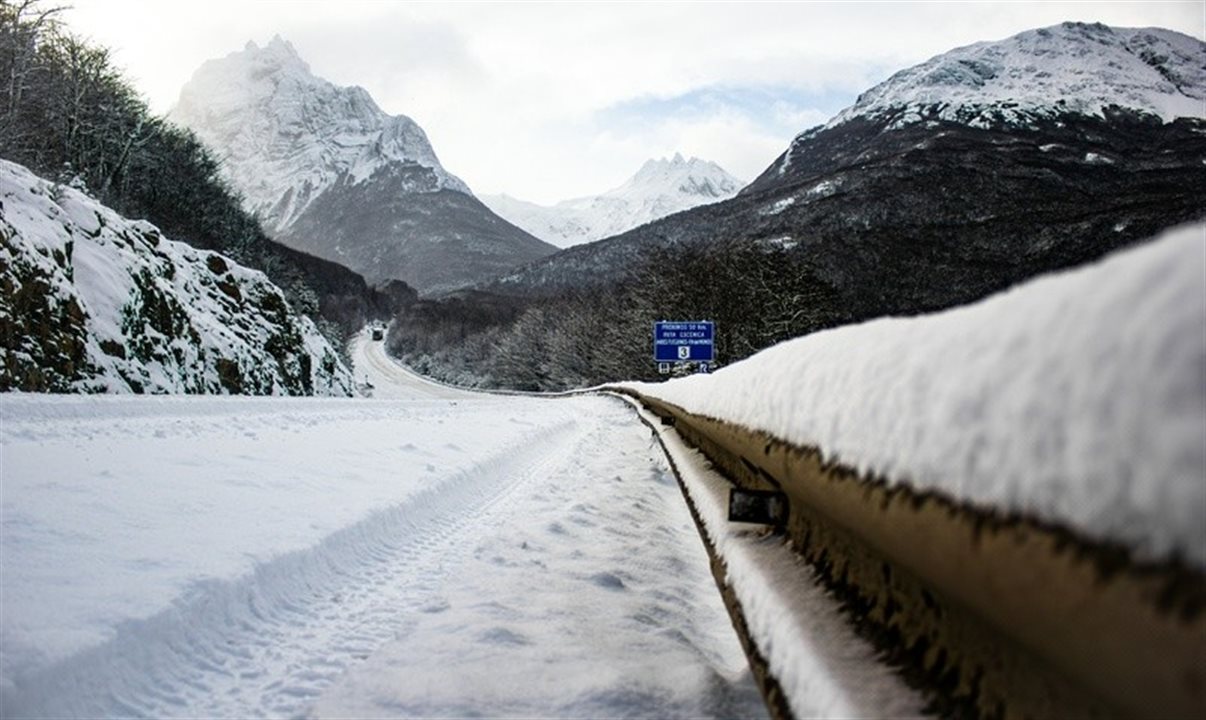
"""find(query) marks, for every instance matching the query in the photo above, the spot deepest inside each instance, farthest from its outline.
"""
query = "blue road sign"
(684, 341)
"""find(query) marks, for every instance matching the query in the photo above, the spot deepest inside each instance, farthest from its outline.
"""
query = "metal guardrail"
(994, 615)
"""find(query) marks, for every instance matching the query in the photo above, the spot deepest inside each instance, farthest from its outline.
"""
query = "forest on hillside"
(757, 295)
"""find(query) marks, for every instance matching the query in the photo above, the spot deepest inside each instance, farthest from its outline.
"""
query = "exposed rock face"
(438, 240)
(908, 216)
(93, 302)
(299, 148)
(660, 188)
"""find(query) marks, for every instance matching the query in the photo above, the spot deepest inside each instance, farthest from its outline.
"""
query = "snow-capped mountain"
(953, 179)
(329, 173)
(1038, 80)
(1044, 73)
(286, 136)
(660, 188)
(93, 302)
(1035, 78)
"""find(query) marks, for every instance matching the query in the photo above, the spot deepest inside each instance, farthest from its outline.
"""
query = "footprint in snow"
(434, 606)
(503, 636)
(607, 580)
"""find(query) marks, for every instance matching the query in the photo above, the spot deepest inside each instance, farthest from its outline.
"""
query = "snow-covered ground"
(236, 557)
(433, 552)
(1078, 398)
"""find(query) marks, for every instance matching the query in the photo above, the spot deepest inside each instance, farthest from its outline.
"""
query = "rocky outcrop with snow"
(93, 302)
(331, 174)
(1073, 68)
(660, 188)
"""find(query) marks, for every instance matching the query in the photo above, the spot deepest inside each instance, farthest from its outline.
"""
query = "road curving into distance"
(380, 376)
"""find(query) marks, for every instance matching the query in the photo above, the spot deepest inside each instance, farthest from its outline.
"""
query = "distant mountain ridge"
(912, 200)
(661, 187)
(307, 156)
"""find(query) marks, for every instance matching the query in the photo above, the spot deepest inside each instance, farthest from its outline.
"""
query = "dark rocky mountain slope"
(435, 240)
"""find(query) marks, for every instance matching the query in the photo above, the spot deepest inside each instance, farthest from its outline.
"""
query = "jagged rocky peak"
(663, 186)
(1072, 68)
(286, 135)
(691, 177)
(330, 174)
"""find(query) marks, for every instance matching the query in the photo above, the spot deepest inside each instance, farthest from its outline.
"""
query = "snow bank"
(99, 303)
(1078, 398)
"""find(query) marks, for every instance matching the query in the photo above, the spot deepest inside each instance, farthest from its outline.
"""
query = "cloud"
(777, 110)
(547, 101)
(743, 128)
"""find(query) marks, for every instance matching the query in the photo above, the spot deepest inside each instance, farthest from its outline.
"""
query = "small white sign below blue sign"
(684, 341)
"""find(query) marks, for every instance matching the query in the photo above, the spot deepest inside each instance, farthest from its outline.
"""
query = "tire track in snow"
(269, 643)
(587, 595)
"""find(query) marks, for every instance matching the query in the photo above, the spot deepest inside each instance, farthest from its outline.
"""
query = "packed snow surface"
(1078, 398)
(241, 557)
(286, 135)
(661, 187)
(153, 315)
(1068, 68)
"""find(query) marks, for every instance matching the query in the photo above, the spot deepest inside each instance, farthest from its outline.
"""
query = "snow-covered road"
(388, 379)
(450, 554)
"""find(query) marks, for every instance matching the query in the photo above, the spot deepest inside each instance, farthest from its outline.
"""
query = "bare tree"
(22, 25)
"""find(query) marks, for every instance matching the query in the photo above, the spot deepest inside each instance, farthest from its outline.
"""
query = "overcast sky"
(550, 101)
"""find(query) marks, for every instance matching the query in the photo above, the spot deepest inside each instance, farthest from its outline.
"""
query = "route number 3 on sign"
(684, 341)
